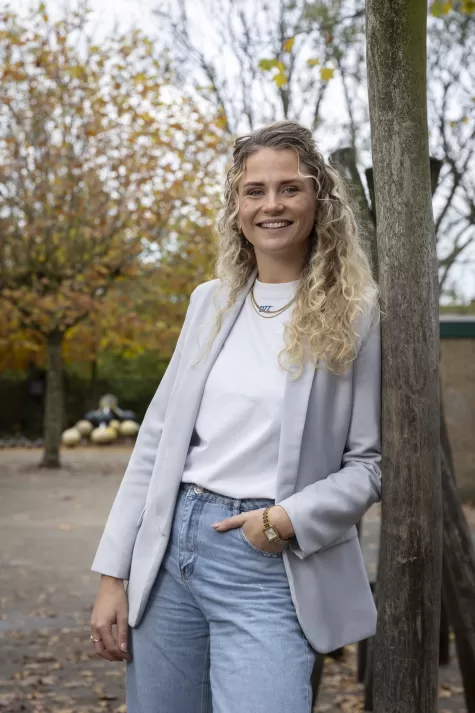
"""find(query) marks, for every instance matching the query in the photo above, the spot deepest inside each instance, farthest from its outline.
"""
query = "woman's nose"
(273, 203)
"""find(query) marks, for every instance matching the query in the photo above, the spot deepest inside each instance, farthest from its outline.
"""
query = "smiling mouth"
(274, 224)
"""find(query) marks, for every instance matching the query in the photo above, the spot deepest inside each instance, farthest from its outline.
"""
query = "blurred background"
(117, 119)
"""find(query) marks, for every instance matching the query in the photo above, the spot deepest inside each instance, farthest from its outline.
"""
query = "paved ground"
(50, 524)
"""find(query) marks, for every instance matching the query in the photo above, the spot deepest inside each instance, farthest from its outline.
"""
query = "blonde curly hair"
(336, 279)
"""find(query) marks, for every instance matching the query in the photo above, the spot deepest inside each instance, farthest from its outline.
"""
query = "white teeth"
(274, 225)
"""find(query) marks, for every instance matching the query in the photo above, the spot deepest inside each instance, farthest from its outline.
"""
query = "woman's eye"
(257, 192)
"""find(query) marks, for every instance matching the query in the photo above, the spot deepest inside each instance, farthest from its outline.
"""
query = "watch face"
(270, 533)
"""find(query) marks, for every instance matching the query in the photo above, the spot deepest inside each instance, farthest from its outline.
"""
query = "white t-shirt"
(235, 442)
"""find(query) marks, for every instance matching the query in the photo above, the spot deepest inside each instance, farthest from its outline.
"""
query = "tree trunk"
(53, 403)
(444, 436)
(459, 580)
(344, 161)
(409, 581)
(444, 637)
(316, 677)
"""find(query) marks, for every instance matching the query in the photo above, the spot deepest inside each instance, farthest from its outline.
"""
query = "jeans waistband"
(237, 504)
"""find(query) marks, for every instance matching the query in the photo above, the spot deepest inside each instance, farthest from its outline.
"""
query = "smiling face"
(277, 205)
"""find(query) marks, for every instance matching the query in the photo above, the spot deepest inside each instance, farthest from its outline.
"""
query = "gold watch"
(270, 531)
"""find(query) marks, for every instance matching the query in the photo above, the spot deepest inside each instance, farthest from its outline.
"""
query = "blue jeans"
(219, 633)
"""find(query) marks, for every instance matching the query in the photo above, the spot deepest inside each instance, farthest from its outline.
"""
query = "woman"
(235, 521)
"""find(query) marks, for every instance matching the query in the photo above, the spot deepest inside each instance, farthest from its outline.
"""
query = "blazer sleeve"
(114, 554)
(324, 510)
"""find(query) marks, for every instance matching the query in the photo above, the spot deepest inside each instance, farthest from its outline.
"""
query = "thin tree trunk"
(444, 637)
(344, 161)
(316, 677)
(409, 581)
(444, 436)
(53, 415)
(459, 580)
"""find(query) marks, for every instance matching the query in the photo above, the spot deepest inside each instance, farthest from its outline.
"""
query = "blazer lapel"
(294, 413)
(187, 398)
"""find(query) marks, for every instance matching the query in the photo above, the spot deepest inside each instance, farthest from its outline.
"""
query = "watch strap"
(268, 523)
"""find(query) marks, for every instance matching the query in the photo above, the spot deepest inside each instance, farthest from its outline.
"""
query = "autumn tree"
(102, 158)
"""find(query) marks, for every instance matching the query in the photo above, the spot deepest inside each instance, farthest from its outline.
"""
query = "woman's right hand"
(111, 608)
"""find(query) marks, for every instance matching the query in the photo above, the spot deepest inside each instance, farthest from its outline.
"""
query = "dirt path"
(50, 524)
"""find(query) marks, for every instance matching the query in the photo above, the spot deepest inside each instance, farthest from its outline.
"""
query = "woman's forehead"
(275, 165)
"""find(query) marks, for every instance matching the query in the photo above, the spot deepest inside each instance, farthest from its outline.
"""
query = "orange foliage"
(105, 167)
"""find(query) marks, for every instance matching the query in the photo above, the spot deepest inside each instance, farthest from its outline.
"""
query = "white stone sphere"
(129, 428)
(71, 437)
(84, 427)
(115, 424)
(102, 436)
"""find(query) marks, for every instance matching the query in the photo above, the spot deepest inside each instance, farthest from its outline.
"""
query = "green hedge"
(22, 412)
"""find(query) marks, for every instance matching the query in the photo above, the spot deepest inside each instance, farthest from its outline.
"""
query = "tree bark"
(53, 403)
(409, 581)
(344, 161)
(444, 436)
(459, 580)
(444, 637)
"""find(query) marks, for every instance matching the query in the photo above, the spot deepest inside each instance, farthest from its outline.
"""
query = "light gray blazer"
(328, 475)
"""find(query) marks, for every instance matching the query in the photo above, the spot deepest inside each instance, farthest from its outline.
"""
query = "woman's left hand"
(253, 527)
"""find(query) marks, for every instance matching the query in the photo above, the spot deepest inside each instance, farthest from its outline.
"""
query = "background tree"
(451, 105)
(280, 56)
(102, 158)
(306, 60)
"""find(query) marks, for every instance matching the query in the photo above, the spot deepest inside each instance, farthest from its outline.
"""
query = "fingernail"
(216, 524)
(123, 647)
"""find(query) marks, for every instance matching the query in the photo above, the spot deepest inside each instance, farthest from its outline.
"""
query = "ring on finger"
(94, 640)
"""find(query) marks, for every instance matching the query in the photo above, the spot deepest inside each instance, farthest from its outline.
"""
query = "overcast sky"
(105, 11)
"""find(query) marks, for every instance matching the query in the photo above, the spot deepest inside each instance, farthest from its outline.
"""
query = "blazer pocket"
(139, 521)
(349, 534)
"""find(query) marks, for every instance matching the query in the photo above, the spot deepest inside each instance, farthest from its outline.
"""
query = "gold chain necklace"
(270, 314)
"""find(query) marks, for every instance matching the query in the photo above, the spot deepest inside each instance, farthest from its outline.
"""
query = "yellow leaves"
(280, 79)
(454, 123)
(221, 122)
(267, 65)
(326, 73)
(440, 7)
(125, 162)
(76, 72)
(288, 44)
(313, 62)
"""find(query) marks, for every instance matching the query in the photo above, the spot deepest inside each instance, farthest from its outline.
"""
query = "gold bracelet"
(270, 530)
